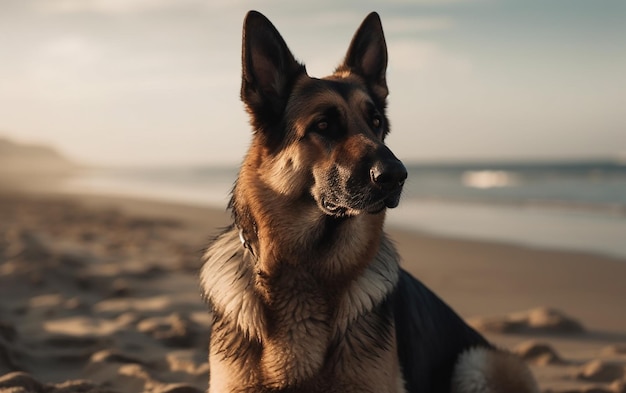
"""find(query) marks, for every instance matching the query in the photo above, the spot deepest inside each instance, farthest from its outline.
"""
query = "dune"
(19, 159)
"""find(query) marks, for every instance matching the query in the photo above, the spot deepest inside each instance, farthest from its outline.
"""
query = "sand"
(100, 294)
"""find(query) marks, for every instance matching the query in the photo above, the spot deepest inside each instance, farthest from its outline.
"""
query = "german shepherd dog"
(305, 288)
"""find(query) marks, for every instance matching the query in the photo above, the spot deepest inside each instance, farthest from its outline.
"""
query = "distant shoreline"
(552, 224)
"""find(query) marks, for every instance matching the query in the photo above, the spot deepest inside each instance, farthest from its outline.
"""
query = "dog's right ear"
(367, 55)
(269, 71)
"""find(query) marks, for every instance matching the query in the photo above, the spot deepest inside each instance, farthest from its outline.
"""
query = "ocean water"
(579, 206)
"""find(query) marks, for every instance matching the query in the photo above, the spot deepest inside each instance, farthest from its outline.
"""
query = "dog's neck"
(288, 230)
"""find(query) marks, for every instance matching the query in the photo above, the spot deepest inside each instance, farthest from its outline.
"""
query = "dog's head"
(321, 138)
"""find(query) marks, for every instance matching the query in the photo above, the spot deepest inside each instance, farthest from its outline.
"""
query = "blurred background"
(508, 113)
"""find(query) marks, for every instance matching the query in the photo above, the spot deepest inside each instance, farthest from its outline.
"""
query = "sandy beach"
(99, 294)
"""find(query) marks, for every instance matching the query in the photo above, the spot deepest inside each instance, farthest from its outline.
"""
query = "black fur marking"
(430, 336)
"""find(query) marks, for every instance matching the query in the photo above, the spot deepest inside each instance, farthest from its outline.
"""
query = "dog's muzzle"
(369, 188)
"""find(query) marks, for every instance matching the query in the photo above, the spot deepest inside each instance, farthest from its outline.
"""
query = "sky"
(156, 82)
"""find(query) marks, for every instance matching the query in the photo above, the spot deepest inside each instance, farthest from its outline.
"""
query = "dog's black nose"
(388, 174)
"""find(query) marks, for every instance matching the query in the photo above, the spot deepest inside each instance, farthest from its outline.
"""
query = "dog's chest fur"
(304, 338)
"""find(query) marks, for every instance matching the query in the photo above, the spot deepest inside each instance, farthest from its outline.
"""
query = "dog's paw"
(485, 370)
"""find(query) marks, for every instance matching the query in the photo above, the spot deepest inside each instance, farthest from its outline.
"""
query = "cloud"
(350, 19)
(75, 47)
(425, 57)
(403, 24)
(436, 2)
(65, 57)
(113, 6)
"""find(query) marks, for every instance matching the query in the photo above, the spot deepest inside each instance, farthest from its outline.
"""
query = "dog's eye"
(327, 124)
(377, 121)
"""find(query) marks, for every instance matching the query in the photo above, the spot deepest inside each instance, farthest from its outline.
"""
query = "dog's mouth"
(338, 209)
(333, 209)
(391, 201)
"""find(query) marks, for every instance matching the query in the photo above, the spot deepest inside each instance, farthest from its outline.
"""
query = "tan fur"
(343, 74)
(300, 354)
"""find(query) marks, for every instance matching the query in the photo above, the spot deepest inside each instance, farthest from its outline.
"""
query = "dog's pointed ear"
(367, 55)
(269, 70)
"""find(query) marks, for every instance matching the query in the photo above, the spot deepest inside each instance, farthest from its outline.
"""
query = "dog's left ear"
(367, 55)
